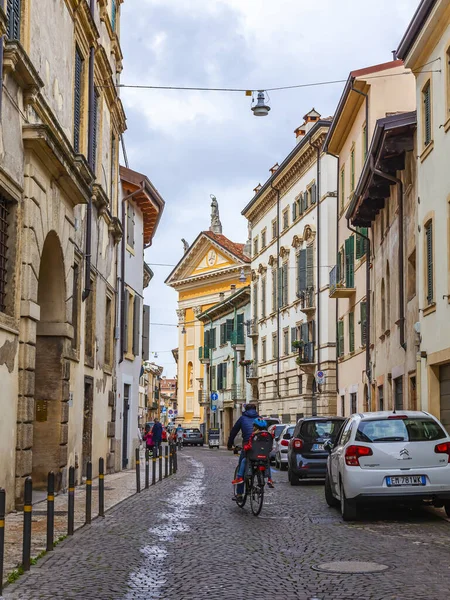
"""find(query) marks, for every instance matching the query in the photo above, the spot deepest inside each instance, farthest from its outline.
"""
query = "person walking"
(157, 436)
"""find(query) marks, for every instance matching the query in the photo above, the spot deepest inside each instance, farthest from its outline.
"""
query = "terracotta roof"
(375, 68)
(236, 249)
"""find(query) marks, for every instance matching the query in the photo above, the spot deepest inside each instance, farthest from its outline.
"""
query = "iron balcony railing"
(307, 298)
(237, 337)
(333, 279)
(306, 353)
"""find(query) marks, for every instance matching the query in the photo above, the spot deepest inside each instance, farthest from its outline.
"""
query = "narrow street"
(186, 540)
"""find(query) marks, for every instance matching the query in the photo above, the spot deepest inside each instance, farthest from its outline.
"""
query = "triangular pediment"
(204, 257)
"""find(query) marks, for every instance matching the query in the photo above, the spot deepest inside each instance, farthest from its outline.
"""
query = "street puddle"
(151, 577)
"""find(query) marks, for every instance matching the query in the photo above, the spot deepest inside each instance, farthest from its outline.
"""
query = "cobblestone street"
(186, 540)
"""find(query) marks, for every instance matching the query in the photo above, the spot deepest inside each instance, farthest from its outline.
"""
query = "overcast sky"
(193, 144)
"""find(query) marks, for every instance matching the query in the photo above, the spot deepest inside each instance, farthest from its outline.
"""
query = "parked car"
(275, 430)
(282, 445)
(386, 456)
(193, 437)
(307, 456)
(271, 421)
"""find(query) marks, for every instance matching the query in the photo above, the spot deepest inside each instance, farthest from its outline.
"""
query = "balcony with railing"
(306, 355)
(237, 339)
(252, 328)
(204, 354)
(203, 398)
(307, 300)
(340, 286)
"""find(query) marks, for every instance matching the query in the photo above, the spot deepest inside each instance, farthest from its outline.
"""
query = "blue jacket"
(157, 432)
(244, 424)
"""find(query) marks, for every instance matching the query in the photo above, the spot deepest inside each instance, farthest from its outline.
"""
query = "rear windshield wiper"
(389, 439)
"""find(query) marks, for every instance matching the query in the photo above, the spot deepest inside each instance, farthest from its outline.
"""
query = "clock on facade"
(212, 257)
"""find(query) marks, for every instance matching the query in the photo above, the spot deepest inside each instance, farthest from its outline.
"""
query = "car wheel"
(447, 509)
(330, 499)
(293, 478)
(348, 508)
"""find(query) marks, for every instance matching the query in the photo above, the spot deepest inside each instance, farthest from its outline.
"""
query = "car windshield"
(192, 430)
(399, 430)
(277, 430)
(312, 430)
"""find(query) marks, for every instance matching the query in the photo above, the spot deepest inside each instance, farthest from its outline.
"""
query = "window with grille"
(77, 100)
(426, 97)
(13, 9)
(429, 263)
(4, 214)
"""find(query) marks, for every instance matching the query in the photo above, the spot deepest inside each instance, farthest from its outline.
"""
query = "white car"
(275, 431)
(282, 446)
(402, 456)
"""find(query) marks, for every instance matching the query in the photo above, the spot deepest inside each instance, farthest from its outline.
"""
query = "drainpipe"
(88, 240)
(318, 149)
(122, 268)
(2, 5)
(401, 290)
(278, 290)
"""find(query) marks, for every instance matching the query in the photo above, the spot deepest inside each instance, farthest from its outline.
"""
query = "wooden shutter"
(349, 261)
(212, 338)
(340, 338)
(274, 290)
(293, 337)
(95, 132)
(136, 324)
(263, 297)
(255, 300)
(429, 242)
(13, 9)
(145, 332)
(310, 266)
(223, 333)
(113, 14)
(285, 284)
(427, 114)
(338, 267)
(351, 331)
(313, 193)
(361, 242)
(294, 210)
(125, 321)
(206, 339)
(240, 328)
(77, 100)
(302, 271)
(363, 308)
(229, 329)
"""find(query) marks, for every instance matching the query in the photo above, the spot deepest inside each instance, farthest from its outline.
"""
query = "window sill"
(429, 309)
(427, 151)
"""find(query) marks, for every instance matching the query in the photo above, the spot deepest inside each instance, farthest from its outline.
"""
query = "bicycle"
(254, 482)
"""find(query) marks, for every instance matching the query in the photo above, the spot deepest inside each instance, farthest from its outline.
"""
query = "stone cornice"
(3, 22)
(17, 63)
(194, 279)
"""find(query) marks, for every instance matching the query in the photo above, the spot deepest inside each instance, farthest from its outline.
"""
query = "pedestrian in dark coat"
(157, 436)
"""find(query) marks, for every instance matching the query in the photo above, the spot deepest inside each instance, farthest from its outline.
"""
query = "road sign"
(214, 396)
(163, 410)
(175, 412)
(320, 377)
(170, 412)
(214, 408)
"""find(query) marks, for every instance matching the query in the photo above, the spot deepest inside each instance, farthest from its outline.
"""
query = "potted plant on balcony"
(245, 362)
(298, 344)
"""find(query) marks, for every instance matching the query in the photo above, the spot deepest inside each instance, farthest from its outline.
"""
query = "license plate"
(406, 480)
(318, 447)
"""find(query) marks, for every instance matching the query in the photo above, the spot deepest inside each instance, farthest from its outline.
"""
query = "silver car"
(275, 430)
(282, 446)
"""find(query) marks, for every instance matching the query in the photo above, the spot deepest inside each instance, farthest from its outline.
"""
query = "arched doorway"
(49, 438)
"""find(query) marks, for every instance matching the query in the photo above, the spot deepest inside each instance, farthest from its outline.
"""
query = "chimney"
(311, 119)
(274, 168)
(299, 133)
(222, 296)
(257, 188)
(233, 288)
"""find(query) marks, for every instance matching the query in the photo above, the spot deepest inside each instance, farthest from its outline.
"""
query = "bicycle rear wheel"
(256, 493)
(242, 498)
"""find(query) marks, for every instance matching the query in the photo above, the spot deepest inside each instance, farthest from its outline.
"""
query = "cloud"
(192, 144)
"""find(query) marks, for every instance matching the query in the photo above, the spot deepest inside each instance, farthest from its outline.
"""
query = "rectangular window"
(4, 221)
(113, 171)
(263, 238)
(398, 393)
(304, 200)
(136, 324)
(350, 262)
(89, 324)
(274, 345)
(130, 225)
(353, 403)
(264, 350)
(255, 300)
(351, 331)
(255, 246)
(76, 305)
(113, 14)
(429, 262)
(285, 219)
(300, 384)
(95, 131)
(342, 188)
(313, 193)
(229, 329)
(274, 289)
(285, 342)
(294, 211)
(13, 10)
(340, 340)
(352, 169)
(426, 98)
(263, 297)
(274, 229)
(108, 331)
(380, 398)
(301, 271)
(78, 84)
(361, 242)
(363, 308)
(310, 267)
(223, 334)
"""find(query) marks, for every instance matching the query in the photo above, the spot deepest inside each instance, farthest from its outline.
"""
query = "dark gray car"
(193, 437)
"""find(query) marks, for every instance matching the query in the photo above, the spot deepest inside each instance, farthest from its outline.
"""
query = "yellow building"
(212, 267)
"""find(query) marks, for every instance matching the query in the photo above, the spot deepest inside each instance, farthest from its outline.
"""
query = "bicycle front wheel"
(256, 493)
(241, 499)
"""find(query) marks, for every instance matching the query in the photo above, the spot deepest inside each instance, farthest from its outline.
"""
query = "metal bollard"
(71, 502)
(160, 463)
(175, 460)
(101, 487)
(138, 472)
(166, 461)
(27, 515)
(147, 468)
(50, 510)
(171, 458)
(2, 534)
(153, 468)
(88, 493)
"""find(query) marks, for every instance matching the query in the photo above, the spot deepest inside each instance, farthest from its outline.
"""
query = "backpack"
(149, 440)
(164, 435)
(262, 443)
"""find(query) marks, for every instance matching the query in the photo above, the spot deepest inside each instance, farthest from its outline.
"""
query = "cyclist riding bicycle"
(179, 432)
(259, 425)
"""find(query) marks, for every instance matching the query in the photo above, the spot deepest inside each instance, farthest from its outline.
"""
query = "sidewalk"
(118, 487)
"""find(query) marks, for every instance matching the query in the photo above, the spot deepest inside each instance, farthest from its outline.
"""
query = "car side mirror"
(328, 446)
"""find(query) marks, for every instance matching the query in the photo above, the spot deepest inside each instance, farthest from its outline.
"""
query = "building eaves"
(300, 146)
(418, 21)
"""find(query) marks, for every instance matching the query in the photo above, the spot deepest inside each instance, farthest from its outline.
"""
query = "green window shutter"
(13, 10)
(429, 242)
(263, 297)
(240, 328)
(285, 284)
(351, 331)
(294, 210)
(313, 193)
(340, 338)
(206, 340)
(113, 14)
(229, 329)
(338, 267)
(350, 262)
(302, 271)
(223, 334)
(363, 307)
(310, 266)
(255, 300)
(361, 243)
(274, 290)
(77, 100)
(293, 337)
(427, 114)
(280, 287)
